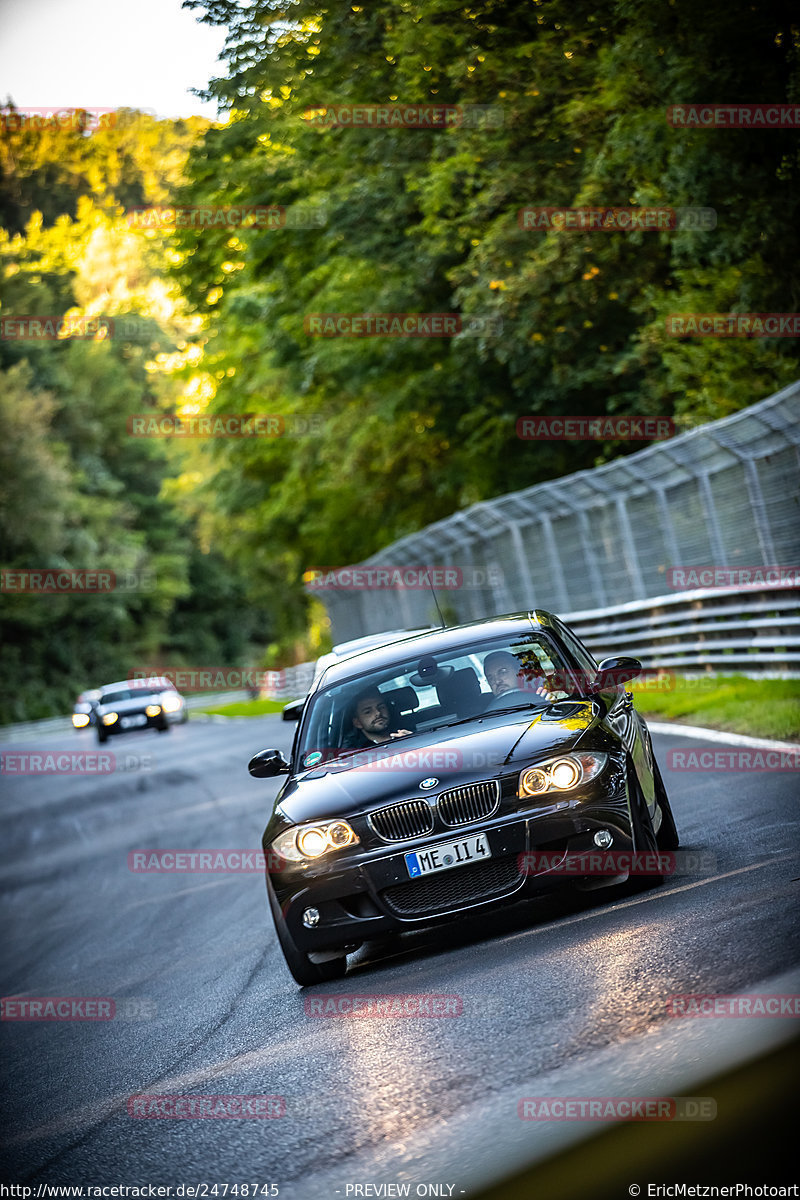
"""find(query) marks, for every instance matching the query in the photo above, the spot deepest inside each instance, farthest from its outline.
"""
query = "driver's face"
(502, 677)
(372, 716)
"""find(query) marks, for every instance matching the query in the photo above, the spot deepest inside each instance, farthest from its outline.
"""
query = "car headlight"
(560, 774)
(171, 703)
(308, 842)
(79, 720)
(153, 710)
(110, 718)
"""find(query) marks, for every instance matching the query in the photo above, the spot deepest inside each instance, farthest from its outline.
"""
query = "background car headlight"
(110, 718)
(153, 710)
(560, 774)
(308, 842)
(171, 703)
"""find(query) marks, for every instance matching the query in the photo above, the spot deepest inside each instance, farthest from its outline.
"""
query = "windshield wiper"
(493, 712)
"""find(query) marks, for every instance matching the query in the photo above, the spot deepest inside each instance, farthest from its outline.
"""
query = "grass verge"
(245, 708)
(759, 707)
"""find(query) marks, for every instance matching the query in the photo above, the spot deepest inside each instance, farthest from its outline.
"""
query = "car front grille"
(469, 803)
(455, 888)
(410, 818)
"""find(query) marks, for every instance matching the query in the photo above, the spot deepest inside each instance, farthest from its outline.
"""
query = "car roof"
(374, 639)
(153, 681)
(435, 641)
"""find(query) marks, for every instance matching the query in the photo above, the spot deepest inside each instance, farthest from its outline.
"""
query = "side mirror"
(613, 672)
(293, 710)
(268, 763)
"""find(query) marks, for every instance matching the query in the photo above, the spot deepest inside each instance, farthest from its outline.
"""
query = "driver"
(508, 680)
(372, 721)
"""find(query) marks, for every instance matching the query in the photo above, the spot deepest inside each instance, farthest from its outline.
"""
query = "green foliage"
(426, 220)
(383, 435)
(76, 490)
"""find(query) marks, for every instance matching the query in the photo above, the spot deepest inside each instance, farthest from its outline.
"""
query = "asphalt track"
(558, 998)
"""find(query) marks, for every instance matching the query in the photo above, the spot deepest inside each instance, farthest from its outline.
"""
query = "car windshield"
(129, 694)
(419, 694)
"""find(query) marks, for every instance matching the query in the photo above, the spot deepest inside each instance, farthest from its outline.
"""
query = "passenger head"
(502, 671)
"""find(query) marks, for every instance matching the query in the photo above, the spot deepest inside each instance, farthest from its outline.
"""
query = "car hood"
(486, 748)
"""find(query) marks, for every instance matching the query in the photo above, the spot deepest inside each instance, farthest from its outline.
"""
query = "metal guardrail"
(56, 726)
(293, 682)
(726, 493)
(715, 631)
(748, 631)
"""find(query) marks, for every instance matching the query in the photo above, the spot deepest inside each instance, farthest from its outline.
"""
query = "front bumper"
(149, 723)
(370, 894)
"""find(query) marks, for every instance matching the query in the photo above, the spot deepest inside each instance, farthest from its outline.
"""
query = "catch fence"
(726, 494)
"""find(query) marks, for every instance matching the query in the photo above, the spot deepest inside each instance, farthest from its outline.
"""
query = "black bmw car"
(450, 773)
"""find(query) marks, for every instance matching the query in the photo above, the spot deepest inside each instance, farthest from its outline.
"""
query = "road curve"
(557, 998)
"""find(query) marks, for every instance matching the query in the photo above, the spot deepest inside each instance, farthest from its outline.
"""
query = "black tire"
(644, 839)
(303, 970)
(162, 728)
(667, 836)
(102, 735)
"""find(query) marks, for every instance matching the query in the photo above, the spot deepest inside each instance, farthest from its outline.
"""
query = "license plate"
(130, 722)
(444, 857)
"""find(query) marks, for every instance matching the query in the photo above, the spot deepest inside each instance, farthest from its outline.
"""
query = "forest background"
(568, 107)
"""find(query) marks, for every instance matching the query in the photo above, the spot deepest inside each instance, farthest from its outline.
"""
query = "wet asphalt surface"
(566, 996)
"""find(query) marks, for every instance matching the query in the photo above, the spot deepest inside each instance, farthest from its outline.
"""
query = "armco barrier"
(600, 541)
(731, 630)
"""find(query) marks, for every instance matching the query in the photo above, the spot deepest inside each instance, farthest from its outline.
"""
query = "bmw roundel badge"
(428, 783)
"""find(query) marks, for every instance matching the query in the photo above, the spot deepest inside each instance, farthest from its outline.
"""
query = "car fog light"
(311, 917)
(603, 839)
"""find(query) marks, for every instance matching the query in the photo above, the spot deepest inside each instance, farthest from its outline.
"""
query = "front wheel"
(162, 728)
(644, 840)
(102, 734)
(303, 970)
(667, 836)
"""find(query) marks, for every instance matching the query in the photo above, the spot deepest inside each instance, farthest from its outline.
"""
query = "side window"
(578, 651)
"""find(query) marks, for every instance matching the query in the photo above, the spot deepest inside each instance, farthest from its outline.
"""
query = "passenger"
(511, 684)
(372, 721)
